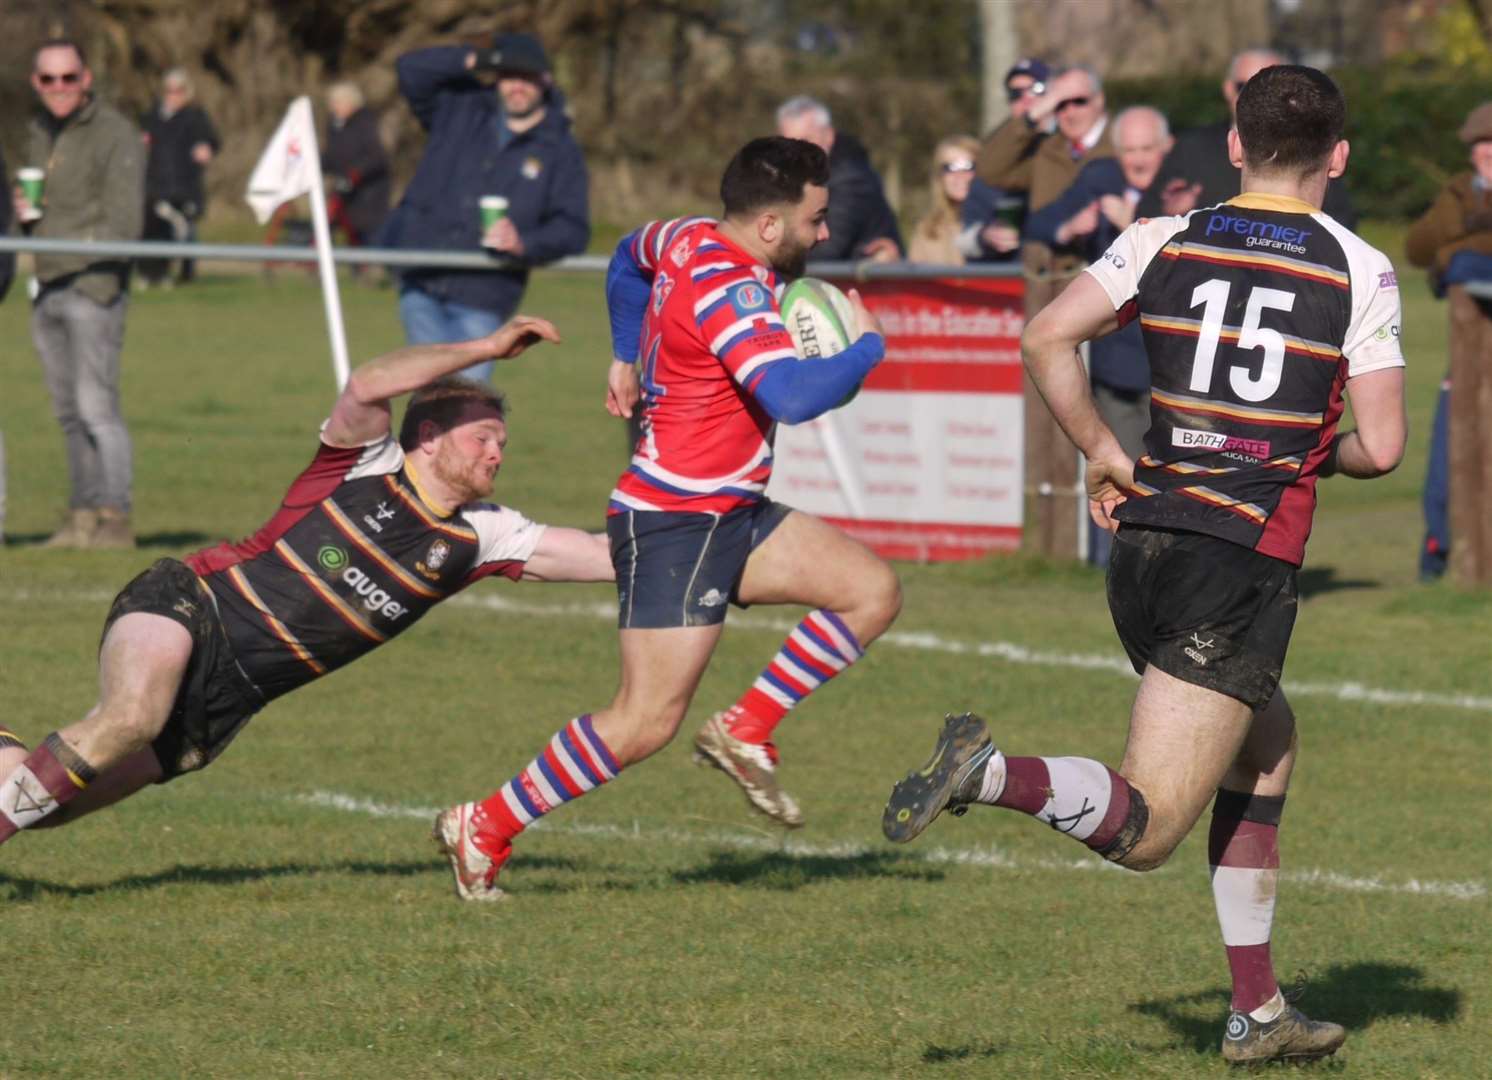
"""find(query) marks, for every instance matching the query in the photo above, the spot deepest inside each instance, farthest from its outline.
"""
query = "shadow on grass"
(945, 1055)
(25, 890)
(1353, 995)
(776, 870)
(1317, 580)
(178, 539)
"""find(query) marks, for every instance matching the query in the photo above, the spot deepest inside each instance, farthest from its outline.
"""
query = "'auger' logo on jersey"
(374, 598)
(332, 559)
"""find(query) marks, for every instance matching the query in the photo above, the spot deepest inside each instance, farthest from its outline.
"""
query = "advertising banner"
(925, 463)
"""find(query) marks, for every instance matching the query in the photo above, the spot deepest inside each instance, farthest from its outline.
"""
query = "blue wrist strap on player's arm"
(793, 391)
(628, 288)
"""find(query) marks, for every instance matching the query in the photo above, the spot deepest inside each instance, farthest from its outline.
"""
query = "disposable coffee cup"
(1010, 211)
(33, 182)
(494, 209)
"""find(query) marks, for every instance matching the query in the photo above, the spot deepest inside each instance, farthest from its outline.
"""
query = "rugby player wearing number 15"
(691, 530)
(1258, 314)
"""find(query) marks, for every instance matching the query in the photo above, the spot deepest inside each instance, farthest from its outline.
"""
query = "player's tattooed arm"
(362, 412)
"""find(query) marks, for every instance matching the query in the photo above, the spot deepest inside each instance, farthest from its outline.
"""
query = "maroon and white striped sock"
(1244, 853)
(1079, 797)
(48, 779)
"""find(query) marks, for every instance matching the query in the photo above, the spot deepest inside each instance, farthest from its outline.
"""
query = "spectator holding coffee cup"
(501, 172)
(83, 177)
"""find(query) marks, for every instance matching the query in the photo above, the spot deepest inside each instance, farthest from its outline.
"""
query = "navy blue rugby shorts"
(677, 568)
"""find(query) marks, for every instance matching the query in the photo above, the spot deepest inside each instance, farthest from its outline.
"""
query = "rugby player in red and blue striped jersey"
(691, 530)
(1258, 314)
(370, 536)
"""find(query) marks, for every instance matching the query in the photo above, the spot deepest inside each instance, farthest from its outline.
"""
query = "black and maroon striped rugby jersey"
(354, 556)
(1255, 314)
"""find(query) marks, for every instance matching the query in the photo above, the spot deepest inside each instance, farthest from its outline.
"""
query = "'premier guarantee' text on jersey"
(1255, 314)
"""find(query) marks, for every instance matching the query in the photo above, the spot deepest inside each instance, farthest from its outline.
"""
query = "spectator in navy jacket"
(862, 224)
(1087, 217)
(515, 143)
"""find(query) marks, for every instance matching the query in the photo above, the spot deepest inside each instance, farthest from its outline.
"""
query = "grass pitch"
(283, 914)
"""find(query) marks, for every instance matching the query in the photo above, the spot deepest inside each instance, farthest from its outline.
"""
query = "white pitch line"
(1004, 650)
(906, 639)
(990, 857)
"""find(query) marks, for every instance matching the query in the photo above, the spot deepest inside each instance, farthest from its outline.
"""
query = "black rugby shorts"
(215, 698)
(1205, 610)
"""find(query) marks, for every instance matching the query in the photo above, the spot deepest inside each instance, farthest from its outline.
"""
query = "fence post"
(1470, 438)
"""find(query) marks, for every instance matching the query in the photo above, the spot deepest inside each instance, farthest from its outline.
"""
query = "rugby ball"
(820, 320)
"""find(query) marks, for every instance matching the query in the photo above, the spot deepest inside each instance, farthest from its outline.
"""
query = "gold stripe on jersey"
(1143, 489)
(1177, 324)
(1186, 468)
(347, 612)
(1282, 264)
(1283, 204)
(1290, 464)
(426, 516)
(280, 630)
(374, 552)
(1253, 414)
(1227, 502)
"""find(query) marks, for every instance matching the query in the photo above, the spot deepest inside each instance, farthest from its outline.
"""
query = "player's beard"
(791, 259)
(464, 478)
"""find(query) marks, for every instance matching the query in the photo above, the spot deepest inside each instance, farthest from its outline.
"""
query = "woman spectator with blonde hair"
(968, 221)
(936, 238)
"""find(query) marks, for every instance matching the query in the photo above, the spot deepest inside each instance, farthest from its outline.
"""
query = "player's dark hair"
(61, 43)
(445, 403)
(770, 171)
(1289, 118)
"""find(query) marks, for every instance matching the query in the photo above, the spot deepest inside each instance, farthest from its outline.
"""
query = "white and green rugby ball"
(820, 321)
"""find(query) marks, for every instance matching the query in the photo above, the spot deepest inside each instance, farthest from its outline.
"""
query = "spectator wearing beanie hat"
(497, 127)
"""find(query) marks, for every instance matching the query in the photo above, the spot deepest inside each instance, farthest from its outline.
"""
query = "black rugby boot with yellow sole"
(949, 781)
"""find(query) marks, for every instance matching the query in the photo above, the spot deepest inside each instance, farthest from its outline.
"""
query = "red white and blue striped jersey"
(355, 555)
(1255, 313)
(712, 329)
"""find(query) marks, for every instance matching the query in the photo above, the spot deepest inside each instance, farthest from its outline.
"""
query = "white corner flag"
(289, 168)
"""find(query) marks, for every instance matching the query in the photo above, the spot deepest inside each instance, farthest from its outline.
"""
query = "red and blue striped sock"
(575, 761)
(819, 648)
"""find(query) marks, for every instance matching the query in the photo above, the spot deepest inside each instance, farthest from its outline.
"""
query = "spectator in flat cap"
(1453, 241)
(501, 173)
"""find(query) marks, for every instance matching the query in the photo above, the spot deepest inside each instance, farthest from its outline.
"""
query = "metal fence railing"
(453, 260)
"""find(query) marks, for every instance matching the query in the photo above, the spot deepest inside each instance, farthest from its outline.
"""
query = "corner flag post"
(289, 168)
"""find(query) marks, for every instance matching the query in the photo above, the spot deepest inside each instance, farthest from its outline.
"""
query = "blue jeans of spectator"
(1436, 549)
(78, 341)
(429, 320)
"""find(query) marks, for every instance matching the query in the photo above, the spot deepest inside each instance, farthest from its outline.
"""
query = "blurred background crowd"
(961, 133)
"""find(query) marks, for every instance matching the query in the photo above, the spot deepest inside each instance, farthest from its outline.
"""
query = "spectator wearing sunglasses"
(1040, 151)
(94, 189)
